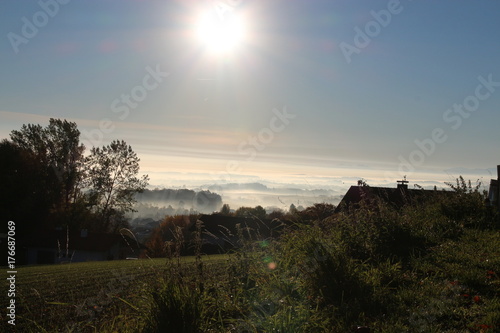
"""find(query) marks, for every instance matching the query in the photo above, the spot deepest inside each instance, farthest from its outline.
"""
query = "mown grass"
(87, 297)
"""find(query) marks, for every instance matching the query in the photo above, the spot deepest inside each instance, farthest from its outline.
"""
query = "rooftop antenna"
(362, 182)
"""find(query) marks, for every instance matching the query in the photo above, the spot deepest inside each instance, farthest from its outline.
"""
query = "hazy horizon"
(309, 94)
(252, 191)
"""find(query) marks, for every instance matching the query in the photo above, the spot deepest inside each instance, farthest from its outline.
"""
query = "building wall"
(50, 256)
(82, 256)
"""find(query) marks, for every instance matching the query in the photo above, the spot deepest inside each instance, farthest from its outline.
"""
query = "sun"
(221, 35)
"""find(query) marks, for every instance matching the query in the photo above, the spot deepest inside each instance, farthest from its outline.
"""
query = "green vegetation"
(430, 267)
(93, 296)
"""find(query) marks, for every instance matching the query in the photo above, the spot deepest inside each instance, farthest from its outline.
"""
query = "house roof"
(92, 241)
(396, 197)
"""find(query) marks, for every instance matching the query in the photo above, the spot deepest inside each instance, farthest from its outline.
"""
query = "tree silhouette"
(112, 180)
(258, 212)
(225, 210)
(25, 194)
(57, 147)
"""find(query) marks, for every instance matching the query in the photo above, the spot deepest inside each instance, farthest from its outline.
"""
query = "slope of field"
(455, 287)
(80, 297)
(428, 267)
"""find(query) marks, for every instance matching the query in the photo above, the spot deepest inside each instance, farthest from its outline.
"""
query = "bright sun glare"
(221, 35)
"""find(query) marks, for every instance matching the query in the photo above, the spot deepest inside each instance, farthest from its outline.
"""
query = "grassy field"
(91, 296)
(454, 287)
(432, 267)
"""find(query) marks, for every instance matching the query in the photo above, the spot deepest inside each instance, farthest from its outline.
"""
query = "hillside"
(429, 267)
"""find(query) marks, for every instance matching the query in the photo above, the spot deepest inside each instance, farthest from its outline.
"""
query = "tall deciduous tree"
(65, 154)
(112, 179)
(25, 194)
(58, 147)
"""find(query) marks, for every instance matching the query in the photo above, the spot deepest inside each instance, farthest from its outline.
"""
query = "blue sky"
(289, 104)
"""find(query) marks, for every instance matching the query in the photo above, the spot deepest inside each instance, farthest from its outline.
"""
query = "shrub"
(341, 287)
(376, 233)
(468, 203)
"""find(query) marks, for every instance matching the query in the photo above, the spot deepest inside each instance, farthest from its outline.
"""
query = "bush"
(343, 289)
(468, 203)
(377, 233)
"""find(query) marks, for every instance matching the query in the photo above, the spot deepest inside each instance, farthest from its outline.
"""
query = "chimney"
(403, 184)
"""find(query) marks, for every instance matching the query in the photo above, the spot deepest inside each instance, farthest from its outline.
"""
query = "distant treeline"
(202, 201)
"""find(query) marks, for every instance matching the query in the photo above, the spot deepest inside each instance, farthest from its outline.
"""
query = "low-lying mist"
(158, 203)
